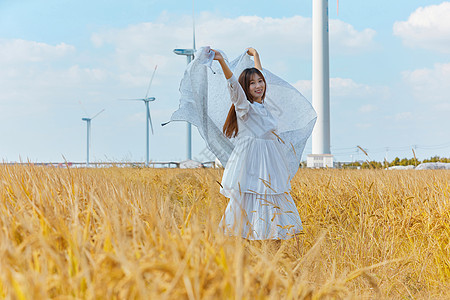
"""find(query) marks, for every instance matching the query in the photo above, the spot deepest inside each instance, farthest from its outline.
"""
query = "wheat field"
(129, 233)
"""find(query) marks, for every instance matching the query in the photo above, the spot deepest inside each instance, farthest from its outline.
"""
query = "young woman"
(256, 176)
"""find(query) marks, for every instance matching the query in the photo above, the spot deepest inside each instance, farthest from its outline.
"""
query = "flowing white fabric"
(205, 101)
(265, 155)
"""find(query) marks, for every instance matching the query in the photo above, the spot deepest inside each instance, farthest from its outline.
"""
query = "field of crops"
(152, 234)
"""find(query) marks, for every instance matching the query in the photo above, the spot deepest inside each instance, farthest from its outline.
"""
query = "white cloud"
(304, 86)
(345, 88)
(427, 27)
(345, 39)
(27, 65)
(368, 108)
(271, 33)
(230, 34)
(430, 85)
(137, 117)
(443, 107)
(363, 125)
(47, 83)
(403, 116)
(22, 51)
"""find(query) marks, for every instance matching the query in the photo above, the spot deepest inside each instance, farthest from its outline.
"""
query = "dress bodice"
(259, 123)
(253, 119)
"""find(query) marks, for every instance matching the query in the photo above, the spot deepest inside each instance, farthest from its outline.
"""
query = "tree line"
(396, 162)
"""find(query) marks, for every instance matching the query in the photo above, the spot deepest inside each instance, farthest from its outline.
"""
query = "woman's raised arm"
(226, 70)
(237, 94)
(254, 53)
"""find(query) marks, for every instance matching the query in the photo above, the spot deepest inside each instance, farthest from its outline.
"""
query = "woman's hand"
(226, 70)
(252, 51)
(217, 56)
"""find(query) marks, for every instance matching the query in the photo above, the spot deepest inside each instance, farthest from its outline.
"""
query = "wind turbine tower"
(321, 154)
(88, 134)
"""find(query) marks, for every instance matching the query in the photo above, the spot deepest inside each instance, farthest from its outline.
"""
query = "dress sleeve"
(237, 94)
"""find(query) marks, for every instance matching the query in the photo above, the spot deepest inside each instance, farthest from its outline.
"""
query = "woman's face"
(257, 87)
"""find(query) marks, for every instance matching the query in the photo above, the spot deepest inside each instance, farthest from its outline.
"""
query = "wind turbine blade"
(150, 83)
(338, 7)
(135, 99)
(83, 108)
(98, 113)
(150, 119)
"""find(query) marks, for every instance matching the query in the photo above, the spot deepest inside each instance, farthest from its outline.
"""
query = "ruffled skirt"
(257, 181)
(261, 217)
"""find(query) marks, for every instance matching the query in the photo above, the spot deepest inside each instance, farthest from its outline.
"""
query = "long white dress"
(256, 177)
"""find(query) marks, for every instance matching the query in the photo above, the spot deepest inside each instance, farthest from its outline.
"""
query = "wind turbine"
(88, 134)
(190, 56)
(148, 122)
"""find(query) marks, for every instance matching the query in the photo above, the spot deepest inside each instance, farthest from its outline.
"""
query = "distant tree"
(352, 165)
(403, 162)
(437, 159)
(395, 162)
(371, 165)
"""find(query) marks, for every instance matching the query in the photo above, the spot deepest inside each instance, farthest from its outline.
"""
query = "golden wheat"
(152, 234)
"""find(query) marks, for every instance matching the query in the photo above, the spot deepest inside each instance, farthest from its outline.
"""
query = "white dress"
(256, 177)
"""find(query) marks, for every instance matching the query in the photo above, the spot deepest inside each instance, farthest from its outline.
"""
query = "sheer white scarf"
(205, 102)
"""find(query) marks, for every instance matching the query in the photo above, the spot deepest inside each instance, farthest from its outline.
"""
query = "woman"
(256, 177)
(261, 143)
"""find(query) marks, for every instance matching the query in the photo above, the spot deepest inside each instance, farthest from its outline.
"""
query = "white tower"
(321, 155)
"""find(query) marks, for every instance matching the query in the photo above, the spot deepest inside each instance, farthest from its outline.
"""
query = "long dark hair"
(230, 128)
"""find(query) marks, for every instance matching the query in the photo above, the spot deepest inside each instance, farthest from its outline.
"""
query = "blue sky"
(389, 69)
